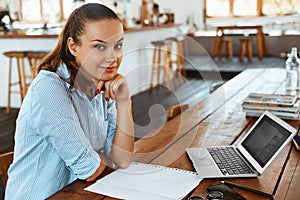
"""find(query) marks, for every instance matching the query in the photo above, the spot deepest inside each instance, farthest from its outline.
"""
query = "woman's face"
(100, 53)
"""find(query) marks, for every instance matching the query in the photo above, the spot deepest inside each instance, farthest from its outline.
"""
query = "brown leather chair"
(5, 160)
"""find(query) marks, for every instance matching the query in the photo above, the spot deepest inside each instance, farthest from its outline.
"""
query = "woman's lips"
(109, 69)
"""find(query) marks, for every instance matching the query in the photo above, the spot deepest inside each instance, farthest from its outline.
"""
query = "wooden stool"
(228, 46)
(246, 43)
(179, 55)
(33, 58)
(161, 50)
(19, 56)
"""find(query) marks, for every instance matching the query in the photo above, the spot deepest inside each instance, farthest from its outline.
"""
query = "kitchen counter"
(54, 32)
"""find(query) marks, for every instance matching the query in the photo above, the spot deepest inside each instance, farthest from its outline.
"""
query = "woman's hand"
(123, 143)
(116, 88)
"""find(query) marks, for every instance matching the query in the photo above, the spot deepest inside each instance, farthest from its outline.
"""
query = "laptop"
(251, 156)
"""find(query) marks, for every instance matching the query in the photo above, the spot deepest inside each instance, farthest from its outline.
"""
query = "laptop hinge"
(249, 164)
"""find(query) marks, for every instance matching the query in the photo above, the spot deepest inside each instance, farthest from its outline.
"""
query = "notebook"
(147, 182)
(259, 147)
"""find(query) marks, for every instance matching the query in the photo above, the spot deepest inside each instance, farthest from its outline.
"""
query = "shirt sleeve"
(112, 124)
(58, 123)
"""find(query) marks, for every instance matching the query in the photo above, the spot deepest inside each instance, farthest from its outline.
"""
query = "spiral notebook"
(146, 181)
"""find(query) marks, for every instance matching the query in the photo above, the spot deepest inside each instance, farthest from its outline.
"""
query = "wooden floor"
(149, 109)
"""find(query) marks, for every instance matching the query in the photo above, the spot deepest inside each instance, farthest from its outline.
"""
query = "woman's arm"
(123, 143)
(100, 169)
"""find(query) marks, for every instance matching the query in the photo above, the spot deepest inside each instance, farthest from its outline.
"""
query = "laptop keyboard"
(228, 161)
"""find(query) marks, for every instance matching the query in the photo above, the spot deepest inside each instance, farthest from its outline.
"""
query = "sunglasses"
(212, 195)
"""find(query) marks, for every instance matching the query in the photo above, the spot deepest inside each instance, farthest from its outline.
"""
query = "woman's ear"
(72, 46)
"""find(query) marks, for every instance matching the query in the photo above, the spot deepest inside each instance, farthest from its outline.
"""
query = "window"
(281, 7)
(238, 8)
(42, 11)
(245, 8)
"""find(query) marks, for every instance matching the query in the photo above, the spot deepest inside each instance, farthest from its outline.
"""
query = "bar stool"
(228, 46)
(160, 62)
(19, 56)
(33, 58)
(246, 43)
(179, 55)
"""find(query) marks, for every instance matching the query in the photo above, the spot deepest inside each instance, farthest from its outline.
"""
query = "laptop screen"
(265, 139)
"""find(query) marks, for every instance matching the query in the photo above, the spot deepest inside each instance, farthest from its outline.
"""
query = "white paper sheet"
(144, 181)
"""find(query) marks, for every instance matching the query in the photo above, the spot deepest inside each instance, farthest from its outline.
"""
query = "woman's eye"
(118, 46)
(100, 46)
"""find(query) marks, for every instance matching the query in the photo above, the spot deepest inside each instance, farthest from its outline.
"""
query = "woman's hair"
(74, 27)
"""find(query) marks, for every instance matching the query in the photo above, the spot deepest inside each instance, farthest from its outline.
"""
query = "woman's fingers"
(99, 86)
(114, 86)
(107, 90)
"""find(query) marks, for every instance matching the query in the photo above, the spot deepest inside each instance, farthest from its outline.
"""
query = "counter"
(137, 54)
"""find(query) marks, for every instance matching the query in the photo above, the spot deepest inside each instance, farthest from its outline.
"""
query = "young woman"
(76, 117)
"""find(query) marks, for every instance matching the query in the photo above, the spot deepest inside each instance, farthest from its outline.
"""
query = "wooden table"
(261, 42)
(216, 120)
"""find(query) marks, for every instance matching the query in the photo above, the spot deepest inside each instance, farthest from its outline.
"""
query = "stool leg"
(22, 77)
(220, 48)
(242, 51)
(170, 63)
(9, 86)
(158, 67)
(166, 71)
(249, 50)
(181, 58)
(32, 64)
(153, 69)
(179, 65)
(230, 51)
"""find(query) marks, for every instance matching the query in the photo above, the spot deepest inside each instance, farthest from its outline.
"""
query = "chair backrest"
(5, 160)
(175, 110)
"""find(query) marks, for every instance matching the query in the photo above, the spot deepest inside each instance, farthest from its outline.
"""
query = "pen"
(248, 189)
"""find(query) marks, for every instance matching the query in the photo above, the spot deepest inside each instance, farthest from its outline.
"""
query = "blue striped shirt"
(59, 135)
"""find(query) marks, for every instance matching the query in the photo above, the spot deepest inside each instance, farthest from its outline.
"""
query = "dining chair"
(175, 110)
(5, 160)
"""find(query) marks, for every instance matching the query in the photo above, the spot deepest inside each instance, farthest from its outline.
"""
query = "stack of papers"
(147, 182)
(283, 106)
